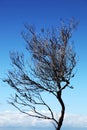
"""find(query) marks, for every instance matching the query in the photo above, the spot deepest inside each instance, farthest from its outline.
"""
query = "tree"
(49, 71)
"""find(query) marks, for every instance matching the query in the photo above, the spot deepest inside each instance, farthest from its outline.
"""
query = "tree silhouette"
(49, 70)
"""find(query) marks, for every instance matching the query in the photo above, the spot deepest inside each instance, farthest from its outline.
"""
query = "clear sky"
(44, 13)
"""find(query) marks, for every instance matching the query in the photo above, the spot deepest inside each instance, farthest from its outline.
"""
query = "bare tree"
(49, 70)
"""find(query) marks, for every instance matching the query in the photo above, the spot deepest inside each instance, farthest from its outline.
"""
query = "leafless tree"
(49, 70)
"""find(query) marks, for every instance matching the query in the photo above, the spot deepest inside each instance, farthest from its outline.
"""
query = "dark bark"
(60, 122)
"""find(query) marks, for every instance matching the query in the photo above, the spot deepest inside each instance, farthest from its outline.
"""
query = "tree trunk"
(61, 118)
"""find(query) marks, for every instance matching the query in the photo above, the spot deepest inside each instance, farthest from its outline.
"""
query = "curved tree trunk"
(62, 111)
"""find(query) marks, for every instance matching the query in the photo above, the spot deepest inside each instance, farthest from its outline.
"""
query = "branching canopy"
(53, 61)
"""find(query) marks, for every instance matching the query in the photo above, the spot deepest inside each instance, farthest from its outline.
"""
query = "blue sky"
(44, 13)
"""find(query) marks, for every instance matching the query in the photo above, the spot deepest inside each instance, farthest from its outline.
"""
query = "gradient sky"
(44, 13)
